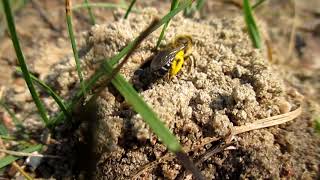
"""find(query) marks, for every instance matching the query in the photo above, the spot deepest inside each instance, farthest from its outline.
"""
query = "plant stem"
(73, 44)
(174, 4)
(129, 9)
(92, 18)
(257, 4)
(50, 91)
(23, 65)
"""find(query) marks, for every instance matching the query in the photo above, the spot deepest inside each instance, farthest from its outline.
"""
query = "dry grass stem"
(262, 123)
(16, 153)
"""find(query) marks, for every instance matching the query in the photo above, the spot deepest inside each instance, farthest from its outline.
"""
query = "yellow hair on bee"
(177, 64)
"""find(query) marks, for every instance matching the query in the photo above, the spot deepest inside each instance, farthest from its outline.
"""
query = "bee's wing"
(163, 57)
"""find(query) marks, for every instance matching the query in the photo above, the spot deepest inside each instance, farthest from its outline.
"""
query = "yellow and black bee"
(168, 61)
(171, 59)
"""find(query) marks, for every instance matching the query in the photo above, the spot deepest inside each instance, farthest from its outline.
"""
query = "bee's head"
(183, 40)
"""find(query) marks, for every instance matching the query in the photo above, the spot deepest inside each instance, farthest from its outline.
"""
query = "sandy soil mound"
(231, 84)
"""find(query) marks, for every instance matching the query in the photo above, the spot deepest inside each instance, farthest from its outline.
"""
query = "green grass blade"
(123, 2)
(162, 21)
(74, 101)
(9, 159)
(317, 125)
(129, 9)
(257, 4)
(15, 120)
(7, 137)
(251, 25)
(50, 91)
(20, 57)
(15, 5)
(92, 18)
(133, 98)
(189, 11)
(73, 43)
(3, 130)
(174, 5)
(115, 59)
(162, 34)
(200, 4)
(100, 5)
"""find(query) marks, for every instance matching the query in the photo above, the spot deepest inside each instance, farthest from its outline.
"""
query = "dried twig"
(269, 50)
(140, 38)
(267, 122)
(262, 123)
(2, 88)
(224, 143)
(20, 169)
(293, 30)
(16, 153)
(15, 165)
(220, 145)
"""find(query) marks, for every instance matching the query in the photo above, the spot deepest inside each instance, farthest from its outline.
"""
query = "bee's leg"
(191, 63)
(168, 77)
(177, 64)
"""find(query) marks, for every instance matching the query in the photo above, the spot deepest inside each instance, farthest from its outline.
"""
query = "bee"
(171, 59)
(168, 61)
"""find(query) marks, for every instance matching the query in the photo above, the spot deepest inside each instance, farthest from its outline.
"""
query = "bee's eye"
(182, 40)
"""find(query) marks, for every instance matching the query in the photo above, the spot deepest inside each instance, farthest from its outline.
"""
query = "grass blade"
(251, 25)
(100, 5)
(123, 2)
(189, 12)
(9, 159)
(174, 4)
(162, 34)
(317, 125)
(138, 104)
(150, 117)
(15, 120)
(200, 4)
(54, 95)
(3, 130)
(129, 9)
(138, 41)
(92, 18)
(73, 43)
(75, 100)
(257, 4)
(115, 59)
(162, 21)
(133, 98)
(22, 63)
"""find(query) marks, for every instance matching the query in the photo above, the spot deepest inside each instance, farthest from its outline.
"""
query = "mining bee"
(167, 62)
(172, 57)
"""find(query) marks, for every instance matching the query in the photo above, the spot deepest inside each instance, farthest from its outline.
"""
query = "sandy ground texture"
(232, 84)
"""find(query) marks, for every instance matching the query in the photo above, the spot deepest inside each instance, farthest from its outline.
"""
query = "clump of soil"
(232, 84)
